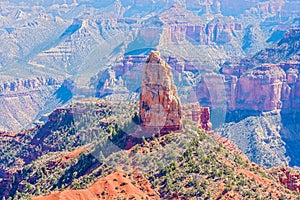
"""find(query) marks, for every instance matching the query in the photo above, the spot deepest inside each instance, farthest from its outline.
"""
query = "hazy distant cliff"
(23, 99)
(262, 102)
(267, 81)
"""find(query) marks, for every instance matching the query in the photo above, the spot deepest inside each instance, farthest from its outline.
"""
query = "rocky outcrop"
(187, 26)
(160, 108)
(198, 114)
(23, 99)
(257, 84)
(26, 84)
(205, 119)
(109, 84)
(290, 179)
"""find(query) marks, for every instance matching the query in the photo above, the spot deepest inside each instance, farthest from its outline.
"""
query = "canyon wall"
(181, 24)
(266, 87)
(254, 84)
(21, 100)
(262, 102)
(25, 84)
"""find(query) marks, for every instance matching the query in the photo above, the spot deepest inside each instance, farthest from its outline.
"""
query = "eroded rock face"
(196, 113)
(260, 89)
(26, 84)
(254, 84)
(109, 84)
(190, 27)
(22, 100)
(289, 179)
(160, 106)
(265, 87)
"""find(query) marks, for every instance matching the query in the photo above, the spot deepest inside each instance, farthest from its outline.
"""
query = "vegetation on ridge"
(178, 165)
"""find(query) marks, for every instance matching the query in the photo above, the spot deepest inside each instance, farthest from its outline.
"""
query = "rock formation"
(109, 84)
(290, 179)
(268, 81)
(20, 85)
(160, 108)
(22, 100)
(196, 113)
(205, 119)
(220, 30)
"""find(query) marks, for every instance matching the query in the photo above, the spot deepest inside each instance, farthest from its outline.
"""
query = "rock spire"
(160, 108)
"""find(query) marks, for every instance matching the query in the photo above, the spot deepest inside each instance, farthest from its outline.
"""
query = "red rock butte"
(160, 107)
(198, 114)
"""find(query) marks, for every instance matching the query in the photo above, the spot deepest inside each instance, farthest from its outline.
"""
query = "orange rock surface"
(113, 186)
(159, 103)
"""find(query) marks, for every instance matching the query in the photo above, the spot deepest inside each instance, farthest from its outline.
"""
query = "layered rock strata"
(198, 114)
(257, 84)
(21, 85)
(21, 100)
(181, 25)
(160, 108)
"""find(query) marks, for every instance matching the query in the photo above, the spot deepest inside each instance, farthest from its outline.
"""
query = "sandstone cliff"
(262, 102)
(159, 104)
(25, 84)
(260, 89)
(267, 81)
(187, 26)
(198, 114)
(23, 99)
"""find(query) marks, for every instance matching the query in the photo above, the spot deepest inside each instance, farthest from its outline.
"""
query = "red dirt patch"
(68, 156)
(220, 189)
(64, 157)
(113, 186)
(256, 177)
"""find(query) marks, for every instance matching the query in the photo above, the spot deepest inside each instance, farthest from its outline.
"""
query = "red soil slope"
(113, 186)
